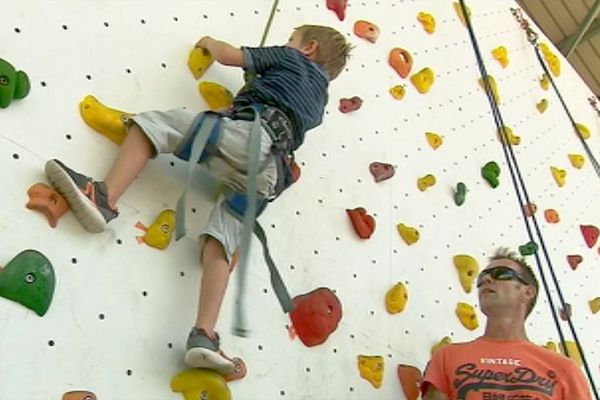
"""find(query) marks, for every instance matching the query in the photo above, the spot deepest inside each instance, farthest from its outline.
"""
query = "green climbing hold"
(29, 280)
(460, 193)
(490, 172)
(14, 85)
(528, 249)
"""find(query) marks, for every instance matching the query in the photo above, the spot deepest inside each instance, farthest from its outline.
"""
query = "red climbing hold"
(590, 234)
(410, 379)
(349, 105)
(338, 7)
(574, 261)
(381, 171)
(316, 315)
(363, 223)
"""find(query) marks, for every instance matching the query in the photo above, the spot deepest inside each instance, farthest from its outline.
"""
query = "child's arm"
(223, 52)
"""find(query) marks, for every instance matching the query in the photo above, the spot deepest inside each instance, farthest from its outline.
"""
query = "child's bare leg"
(215, 277)
(134, 153)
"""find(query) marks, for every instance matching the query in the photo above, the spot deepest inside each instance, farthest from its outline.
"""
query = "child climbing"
(289, 88)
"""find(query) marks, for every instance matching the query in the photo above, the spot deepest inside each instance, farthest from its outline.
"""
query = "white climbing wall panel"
(121, 311)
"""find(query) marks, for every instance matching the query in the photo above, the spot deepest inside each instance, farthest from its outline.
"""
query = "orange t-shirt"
(494, 369)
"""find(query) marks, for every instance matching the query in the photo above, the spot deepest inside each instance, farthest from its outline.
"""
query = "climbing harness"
(523, 197)
(532, 38)
(200, 143)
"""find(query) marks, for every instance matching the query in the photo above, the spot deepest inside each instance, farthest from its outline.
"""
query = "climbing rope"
(523, 198)
(532, 38)
(239, 326)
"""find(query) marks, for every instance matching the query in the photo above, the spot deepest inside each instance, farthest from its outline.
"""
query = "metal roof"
(573, 26)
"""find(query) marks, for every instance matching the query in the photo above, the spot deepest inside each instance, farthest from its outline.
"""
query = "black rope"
(522, 194)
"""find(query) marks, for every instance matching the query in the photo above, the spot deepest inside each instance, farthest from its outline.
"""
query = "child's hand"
(204, 42)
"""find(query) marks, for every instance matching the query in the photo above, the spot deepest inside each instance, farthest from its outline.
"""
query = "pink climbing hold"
(381, 171)
(338, 7)
(349, 105)
(574, 260)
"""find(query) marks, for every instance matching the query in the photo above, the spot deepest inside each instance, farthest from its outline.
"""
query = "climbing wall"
(121, 310)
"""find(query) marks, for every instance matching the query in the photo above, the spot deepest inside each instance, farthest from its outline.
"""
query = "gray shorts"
(166, 130)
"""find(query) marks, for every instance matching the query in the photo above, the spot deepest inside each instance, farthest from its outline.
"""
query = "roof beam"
(568, 45)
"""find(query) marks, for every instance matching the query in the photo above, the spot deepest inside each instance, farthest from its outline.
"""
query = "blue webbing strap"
(204, 122)
(239, 327)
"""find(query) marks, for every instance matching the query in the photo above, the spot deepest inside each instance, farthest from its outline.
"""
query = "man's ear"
(310, 48)
(529, 293)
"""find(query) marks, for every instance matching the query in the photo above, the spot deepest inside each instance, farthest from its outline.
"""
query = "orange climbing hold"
(410, 379)
(366, 30)
(363, 223)
(401, 61)
(551, 216)
(529, 209)
(371, 369)
(48, 201)
(79, 395)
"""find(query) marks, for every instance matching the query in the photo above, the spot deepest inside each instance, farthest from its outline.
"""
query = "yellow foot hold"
(466, 314)
(434, 139)
(104, 120)
(159, 233)
(446, 340)
(427, 21)
(493, 87)
(396, 298)
(200, 383)
(559, 175)
(371, 369)
(500, 54)
(577, 160)
(199, 60)
(467, 268)
(423, 80)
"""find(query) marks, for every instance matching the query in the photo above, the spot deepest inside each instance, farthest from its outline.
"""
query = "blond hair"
(333, 50)
(527, 271)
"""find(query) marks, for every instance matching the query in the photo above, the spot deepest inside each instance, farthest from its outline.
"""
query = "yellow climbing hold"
(460, 14)
(427, 21)
(559, 175)
(468, 268)
(551, 59)
(104, 120)
(423, 80)
(200, 383)
(425, 182)
(434, 139)
(500, 54)
(397, 92)
(446, 340)
(583, 131)
(409, 234)
(159, 233)
(493, 87)
(595, 305)
(396, 298)
(577, 160)
(466, 314)
(542, 105)
(544, 82)
(572, 350)
(371, 369)
(216, 96)
(550, 345)
(199, 60)
(512, 138)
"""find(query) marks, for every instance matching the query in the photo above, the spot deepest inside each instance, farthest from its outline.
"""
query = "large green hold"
(14, 85)
(29, 280)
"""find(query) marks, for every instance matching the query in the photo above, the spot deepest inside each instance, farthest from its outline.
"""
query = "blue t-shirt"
(288, 80)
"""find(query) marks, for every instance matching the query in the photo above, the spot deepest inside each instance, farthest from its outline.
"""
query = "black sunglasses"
(501, 273)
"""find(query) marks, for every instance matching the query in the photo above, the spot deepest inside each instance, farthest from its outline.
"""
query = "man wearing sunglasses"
(503, 364)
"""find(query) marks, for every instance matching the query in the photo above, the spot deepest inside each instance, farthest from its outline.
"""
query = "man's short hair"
(333, 50)
(527, 271)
